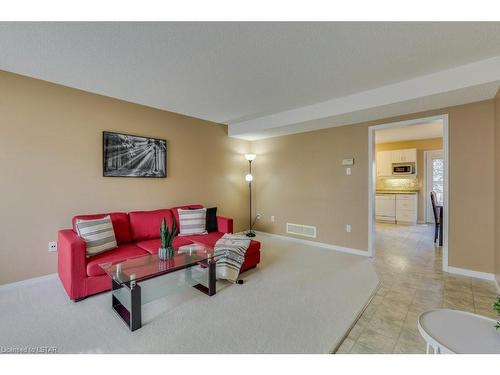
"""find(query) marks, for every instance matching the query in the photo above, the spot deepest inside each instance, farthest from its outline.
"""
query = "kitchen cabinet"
(397, 208)
(406, 208)
(384, 163)
(404, 156)
(385, 159)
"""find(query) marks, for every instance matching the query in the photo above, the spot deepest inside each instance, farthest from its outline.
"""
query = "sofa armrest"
(225, 224)
(71, 262)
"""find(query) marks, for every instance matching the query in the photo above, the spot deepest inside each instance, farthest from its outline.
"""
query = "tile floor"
(409, 267)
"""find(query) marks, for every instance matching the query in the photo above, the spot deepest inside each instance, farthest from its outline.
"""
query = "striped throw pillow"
(98, 234)
(192, 222)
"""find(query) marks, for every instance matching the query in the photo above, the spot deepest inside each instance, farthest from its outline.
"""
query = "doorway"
(439, 160)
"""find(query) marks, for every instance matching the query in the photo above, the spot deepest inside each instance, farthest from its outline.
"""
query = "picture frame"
(127, 155)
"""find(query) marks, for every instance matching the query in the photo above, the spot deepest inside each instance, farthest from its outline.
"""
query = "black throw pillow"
(211, 221)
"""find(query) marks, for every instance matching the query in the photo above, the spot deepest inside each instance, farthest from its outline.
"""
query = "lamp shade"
(249, 177)
(250, 157)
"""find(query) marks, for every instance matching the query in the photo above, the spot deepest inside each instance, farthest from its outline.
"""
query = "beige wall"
(299, 178)
(497, 186)
(51, 163)
(421, 145)
(51, 167)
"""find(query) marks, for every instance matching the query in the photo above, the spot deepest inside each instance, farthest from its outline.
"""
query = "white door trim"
(372, 178)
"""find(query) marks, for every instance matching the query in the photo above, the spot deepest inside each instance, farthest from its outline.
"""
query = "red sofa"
(137, 234)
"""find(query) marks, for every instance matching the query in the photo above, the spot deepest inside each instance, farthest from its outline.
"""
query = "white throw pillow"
(98, 234)
(192, 222)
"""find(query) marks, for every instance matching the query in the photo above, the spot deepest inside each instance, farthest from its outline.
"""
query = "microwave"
(403, 169)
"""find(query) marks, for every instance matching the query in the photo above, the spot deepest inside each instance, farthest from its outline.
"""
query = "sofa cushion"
(120, 224)
(192, 222)
(181, 241)
(145, 225)
(206, 239)
(175, 212)
(98, 235)
(152, 246)
(211, 222)
(117, 255)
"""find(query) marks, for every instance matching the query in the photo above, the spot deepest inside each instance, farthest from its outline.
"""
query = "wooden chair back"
(435, 207)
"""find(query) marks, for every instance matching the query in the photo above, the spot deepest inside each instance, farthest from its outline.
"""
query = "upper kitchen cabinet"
(404, 156)
(384, 163)
(385, 159)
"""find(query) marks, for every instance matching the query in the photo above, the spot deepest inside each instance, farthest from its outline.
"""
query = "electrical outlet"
(52, 246)
(259, 216)
(348, 228)
(272, 219)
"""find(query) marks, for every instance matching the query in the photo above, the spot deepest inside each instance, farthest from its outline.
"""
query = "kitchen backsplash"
(399, 183)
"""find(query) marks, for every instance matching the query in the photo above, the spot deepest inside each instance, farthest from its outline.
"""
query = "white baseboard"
(17, 284)
(323, 245)
(471, 273)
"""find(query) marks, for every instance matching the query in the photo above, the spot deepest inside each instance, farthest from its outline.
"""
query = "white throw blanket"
(230, 252)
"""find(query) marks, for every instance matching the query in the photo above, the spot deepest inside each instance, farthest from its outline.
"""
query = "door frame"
(426, 182)
(372, 178)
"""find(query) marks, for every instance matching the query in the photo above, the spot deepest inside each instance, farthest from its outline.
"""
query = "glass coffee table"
(126, 276)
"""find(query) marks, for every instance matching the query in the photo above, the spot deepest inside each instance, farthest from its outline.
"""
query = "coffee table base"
(133, 318)
(210, 290)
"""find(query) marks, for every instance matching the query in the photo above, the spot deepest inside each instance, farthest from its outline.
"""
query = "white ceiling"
(264, 79)
(409, 133)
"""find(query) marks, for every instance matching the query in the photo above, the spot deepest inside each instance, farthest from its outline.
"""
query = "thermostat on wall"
(348, 161)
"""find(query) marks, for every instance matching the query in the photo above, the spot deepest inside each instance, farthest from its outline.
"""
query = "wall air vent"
(301, 230)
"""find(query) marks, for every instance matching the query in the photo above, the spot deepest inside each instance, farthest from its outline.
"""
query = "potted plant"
(166, 251)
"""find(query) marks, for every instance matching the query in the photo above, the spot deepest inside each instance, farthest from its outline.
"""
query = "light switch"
(348, 171)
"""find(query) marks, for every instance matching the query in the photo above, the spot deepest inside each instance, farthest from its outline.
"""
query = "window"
(438, 178)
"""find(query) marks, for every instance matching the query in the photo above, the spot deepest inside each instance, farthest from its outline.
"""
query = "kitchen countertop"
(397, 191)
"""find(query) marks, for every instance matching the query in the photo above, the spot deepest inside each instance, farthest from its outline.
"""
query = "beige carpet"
(301, 299)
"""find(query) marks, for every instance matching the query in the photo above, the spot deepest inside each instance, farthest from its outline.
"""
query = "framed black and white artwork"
(127, 155)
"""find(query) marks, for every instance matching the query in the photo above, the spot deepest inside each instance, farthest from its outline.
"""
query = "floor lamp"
(249, 179)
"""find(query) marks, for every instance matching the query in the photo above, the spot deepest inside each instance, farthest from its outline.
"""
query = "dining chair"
(435, 210)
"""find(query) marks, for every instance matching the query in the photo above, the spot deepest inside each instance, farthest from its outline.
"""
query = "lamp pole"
(249, 178)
